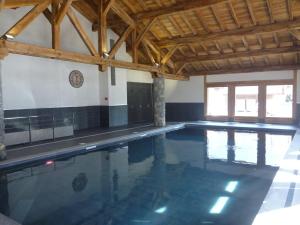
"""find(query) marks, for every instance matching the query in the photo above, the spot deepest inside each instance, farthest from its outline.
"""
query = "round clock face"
(76, 79)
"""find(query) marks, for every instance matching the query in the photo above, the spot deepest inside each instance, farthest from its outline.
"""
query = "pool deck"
(279, 205)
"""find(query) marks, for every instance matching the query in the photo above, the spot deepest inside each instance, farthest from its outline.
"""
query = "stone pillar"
(159, 102)
(2, 146)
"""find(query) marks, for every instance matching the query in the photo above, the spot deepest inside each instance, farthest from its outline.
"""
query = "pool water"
(185, 177)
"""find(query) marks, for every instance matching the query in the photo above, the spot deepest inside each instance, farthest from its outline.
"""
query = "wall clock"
(76, 79)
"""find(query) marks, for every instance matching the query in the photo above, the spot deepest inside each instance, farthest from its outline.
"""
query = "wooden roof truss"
(175, 38)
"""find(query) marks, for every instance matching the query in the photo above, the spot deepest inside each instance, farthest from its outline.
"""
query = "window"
(217, 101)
(246, 101)
(279, 99)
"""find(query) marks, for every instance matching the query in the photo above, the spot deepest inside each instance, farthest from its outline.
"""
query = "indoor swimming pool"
(190, 176)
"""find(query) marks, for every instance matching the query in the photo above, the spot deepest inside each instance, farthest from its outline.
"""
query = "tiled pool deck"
(279, 208)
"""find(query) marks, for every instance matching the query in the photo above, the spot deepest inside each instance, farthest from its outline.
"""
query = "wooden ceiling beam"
(177, 8)
(148, 53)
(251, 11)
(296, 34)
(144, 31)
(119, 43)
(80, 30)
(86, 10)
(37, 51)
(27, 19)
(168, 56)
(233, 14)
(238, 33)
(34, 50)
(252, 53)
(108, 6)
(247, 70)
(290, 4)
(20, 3)
(62, 11)
(269, 7)
(122, 14)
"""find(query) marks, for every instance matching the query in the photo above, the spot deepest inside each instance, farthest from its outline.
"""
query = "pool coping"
(280, 203)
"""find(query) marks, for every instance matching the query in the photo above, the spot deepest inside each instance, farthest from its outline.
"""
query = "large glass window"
(217, 101)
(279, 99)
(246, 101)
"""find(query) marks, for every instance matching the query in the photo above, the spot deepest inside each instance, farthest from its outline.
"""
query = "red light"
(49, 163)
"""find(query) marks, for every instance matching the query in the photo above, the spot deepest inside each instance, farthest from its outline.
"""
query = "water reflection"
(174, 178)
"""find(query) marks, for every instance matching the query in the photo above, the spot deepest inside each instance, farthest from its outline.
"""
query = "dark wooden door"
(140, 103)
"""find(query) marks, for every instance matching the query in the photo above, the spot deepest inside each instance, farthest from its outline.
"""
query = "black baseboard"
(113, 116)
(85, 117)
(184, 112)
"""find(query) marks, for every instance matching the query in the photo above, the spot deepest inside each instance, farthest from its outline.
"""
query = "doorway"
(140, 102)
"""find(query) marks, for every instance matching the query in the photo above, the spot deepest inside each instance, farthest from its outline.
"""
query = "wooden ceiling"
(200, 37)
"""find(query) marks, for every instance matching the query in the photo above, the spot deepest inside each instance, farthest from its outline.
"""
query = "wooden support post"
(102, 32)
(134, 47)
(54, 26)
(2, 2)
(3, 50)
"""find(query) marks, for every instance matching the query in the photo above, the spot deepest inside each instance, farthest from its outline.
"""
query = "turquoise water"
(190, 176)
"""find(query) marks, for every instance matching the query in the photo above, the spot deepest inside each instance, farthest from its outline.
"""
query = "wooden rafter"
(176, 8)
(251, 11)
(233, 14)
(20, 3)
(84, 36)
(253, 53)
(269, 7)
(122, 14)
(62, 11)
(259, 29)
(27, 19)
(144, 31)
(87, 11)
(108, 6)
(148, 53)
(120, 41)
(216, 16)
(168, 56)
(296, 34)
(290, 8)
(180, 68)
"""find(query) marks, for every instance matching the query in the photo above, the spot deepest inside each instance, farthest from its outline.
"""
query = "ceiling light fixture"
(9, 36)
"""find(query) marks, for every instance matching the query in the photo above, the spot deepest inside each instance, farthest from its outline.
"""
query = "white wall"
(32, 82)
(191, 91)
(270, 75)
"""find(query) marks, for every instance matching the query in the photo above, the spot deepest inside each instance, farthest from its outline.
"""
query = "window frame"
(262, 101)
